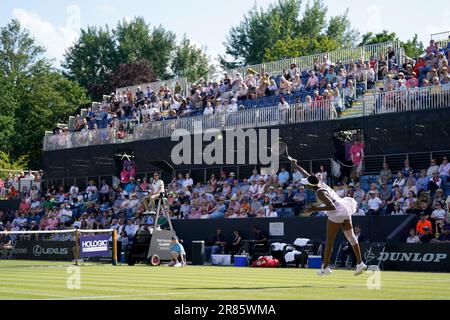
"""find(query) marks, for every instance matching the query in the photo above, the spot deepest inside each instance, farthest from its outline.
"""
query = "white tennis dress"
(345, 207)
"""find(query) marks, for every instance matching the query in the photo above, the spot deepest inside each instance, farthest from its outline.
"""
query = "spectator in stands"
(399, 180)
(421, 224)
(313, 81)
(375, 204)
(433, 168)
(409, 204)
(385, 193)
(413, 238)
(385, 174)
(438, 217)
(427, 235)
(423, 181)
(444, 171)
(438, 197)
(435, 183)
(283, 105)
(406, 169)
(357, 156)
(410, 186)
(444, 236)
(359, 194)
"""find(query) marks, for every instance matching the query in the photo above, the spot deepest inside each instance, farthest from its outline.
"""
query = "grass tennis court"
(47, 280)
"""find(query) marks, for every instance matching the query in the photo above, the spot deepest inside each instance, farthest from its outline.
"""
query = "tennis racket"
(281, 149)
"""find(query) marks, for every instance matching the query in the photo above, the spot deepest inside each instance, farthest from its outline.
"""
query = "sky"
(56, 24)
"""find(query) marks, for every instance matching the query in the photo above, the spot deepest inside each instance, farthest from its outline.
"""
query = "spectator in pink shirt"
(52, 222)
(357, 155)
(313, 81)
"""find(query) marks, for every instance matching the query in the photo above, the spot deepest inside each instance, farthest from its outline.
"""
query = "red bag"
(266, 262)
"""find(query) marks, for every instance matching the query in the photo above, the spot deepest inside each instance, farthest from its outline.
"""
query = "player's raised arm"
(302, 171)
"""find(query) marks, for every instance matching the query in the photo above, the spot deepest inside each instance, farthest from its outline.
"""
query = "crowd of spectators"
(225, 197)
(325, 80)
(12, 184)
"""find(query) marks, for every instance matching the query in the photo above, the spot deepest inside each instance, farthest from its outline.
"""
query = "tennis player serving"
(339, 211)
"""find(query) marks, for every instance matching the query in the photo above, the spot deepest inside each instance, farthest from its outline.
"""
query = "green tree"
(133, 73)
(372, 38)
(314, 19)
(413, 48)
(190, 62)
(34, 95)
(299, 46)
(260, 36)
(7, 163)
(91, 59)
(136, 41)
(339, 29)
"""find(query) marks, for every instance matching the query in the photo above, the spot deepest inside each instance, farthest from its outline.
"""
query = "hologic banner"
(95, 246)
(410, 257)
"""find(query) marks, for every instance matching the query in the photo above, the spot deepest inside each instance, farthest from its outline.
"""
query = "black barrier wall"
(12, 204)
(375, 228)
(407, 132)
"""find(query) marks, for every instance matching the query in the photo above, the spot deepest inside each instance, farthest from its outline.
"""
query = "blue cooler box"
(314, 262)
(240, 261)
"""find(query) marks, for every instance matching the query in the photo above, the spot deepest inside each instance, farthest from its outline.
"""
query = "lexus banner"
(409, 257)
(44, 250)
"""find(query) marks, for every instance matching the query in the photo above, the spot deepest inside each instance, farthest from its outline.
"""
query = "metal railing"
(258, 117)
(410, 100)
(373, 103)
(155, 86)
(443, 38)
(307, 62)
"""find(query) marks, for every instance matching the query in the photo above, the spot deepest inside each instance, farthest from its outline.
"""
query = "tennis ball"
(219, 137)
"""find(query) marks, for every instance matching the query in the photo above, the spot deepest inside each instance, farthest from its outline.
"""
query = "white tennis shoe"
(360, 268)
(324, 272)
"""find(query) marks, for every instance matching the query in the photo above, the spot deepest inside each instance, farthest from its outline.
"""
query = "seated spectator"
(423, 181)
(422, 224)
(427, 235)
(444, 171)
(438, 217)
(374, 204)
(406, 169)
(433, 168)
(359, 194)
(413, 238)
(385, 174)
(399, 180)
(409, 204)
(444, 237)
(438, 197)
(435, 183)
(215, 246)
(397, 210)
(410, 186)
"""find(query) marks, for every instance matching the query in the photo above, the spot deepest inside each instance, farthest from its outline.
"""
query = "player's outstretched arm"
(302, 171)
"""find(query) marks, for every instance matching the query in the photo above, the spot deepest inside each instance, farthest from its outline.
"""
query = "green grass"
(47, 280)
